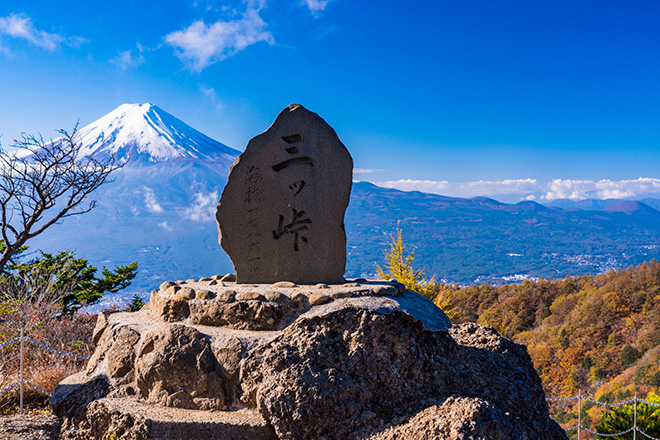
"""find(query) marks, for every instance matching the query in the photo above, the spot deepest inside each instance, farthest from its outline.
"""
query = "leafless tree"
(42, 183)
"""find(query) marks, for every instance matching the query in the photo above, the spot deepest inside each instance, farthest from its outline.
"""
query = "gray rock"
(170, 309)
(385, 290)
(459, 418)
(172, 290)
(230, 277)
(247, 296)
(186, 293)
(166, 284)
(175, 359)
(281, 215)
(128, 418)
(365, 367)
(226, 296)
(284, 284)
(341, 294)
(317, 298)
(204, 294)
(243, 315)
(277, 297)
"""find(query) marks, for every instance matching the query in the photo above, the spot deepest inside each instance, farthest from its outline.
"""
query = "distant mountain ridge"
(482, 240)
(598, 204)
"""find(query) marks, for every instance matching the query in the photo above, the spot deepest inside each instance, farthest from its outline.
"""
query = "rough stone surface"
(166, 284)
(318, 298)
(204, 294)
(186, 293)
(230, 277)
(226, 296)
(354, 371)
(361, 367)
(460, 418)
(129, 419)
(30, 427)
(247, 296)
(176, 367)
(281, 214)
(251, 314)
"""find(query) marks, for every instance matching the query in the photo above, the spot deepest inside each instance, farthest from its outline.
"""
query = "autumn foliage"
(597, 334)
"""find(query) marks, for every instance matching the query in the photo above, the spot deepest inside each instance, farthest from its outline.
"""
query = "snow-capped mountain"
(147, 134)
(159, 208)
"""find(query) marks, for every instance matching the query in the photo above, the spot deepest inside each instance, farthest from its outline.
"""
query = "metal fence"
(22, 381)
(634, 428)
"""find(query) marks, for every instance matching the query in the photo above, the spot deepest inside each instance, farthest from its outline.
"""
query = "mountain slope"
(632, 207)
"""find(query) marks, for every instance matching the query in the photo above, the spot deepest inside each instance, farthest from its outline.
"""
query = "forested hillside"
(581, 332)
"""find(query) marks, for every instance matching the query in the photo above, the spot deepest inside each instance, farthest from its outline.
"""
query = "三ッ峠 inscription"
(296, 227)
(281, 215)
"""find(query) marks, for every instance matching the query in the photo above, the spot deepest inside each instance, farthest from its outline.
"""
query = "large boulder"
(369, 361)
(356, 371)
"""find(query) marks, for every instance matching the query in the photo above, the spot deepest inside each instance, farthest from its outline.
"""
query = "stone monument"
(281, 214)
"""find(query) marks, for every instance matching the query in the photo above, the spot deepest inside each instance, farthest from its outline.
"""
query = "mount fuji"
(145, 134)
(160, 207)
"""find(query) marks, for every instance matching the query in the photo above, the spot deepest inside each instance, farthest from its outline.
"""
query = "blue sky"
(511, 99)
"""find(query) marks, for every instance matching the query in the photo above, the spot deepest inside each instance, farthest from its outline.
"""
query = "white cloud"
(602, 189)
(21, 26)
(465, 189)
(364, 171)
(316, 6)
(150, 201)
(210, 94)
(201, 45)
(126, 60)
(166, 226)
(531, 189)
(203, 207)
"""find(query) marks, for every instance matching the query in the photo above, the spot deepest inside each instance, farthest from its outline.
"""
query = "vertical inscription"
(299, 222)
(253, 200)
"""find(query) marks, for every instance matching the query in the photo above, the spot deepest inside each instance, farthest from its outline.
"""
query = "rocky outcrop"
(355, 371)
(356, 365)
(459, 418)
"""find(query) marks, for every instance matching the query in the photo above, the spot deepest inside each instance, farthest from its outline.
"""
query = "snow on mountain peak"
(146, 133)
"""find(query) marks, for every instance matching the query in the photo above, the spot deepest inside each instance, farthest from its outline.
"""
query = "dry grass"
(42, 367)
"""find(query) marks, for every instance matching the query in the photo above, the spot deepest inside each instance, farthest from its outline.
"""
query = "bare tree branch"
(44, 182)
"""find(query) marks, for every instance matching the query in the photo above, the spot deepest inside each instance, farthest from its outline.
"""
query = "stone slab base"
(128, 418)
